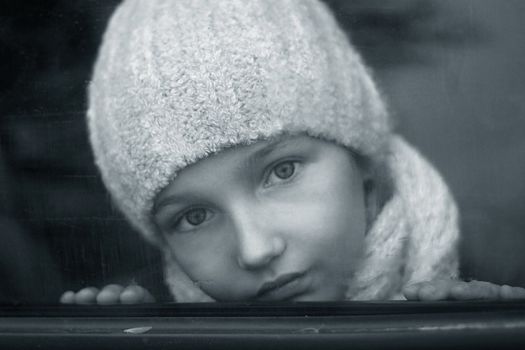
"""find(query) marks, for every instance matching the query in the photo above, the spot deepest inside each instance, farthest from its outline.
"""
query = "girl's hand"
(460, 290)
(109, 295)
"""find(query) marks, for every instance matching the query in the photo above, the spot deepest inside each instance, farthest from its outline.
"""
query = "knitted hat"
(179, 80)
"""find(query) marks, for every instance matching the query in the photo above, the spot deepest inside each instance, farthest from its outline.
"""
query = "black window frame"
(356, 325)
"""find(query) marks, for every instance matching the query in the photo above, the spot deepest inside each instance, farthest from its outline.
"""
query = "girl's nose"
(258, 243)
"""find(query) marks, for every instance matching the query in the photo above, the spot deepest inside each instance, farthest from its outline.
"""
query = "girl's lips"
(282, 288)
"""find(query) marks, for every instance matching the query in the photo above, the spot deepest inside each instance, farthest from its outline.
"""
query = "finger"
(86, 296)
(132, 295)
(428, 290)
(148, 298)
(508, 292)
(411, 292)
(435, 290)
(459, 291)
(68, 297)
(475, 290)
(110, 294)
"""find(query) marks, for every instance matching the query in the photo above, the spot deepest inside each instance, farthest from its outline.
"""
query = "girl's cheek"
(190, 248)
(201, 252)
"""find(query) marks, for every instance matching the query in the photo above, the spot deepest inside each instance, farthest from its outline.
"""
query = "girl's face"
(276, 220)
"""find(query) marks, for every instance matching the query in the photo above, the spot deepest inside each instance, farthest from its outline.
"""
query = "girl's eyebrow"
(270, 148)
(169, 200)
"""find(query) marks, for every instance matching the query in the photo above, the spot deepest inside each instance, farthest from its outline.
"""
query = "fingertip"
(132, 295)
(435, 290)
(459, 291)
(410, 291)
(428, 292)
(505, 292)
(519, 292)
(107, 297)
(67, 297)
(508, 292)
(484, 290)
(86, 295)
(148, 297)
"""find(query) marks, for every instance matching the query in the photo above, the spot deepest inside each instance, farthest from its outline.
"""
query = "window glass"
(452, 72)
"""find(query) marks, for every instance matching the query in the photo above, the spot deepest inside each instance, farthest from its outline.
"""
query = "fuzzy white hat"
(178, 80)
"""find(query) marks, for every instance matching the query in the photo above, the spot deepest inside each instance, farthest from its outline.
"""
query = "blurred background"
(451, 69)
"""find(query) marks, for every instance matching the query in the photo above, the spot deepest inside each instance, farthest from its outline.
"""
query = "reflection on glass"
(252, 154)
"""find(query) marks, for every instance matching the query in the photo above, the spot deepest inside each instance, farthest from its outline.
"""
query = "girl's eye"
(196, 216)
(282, 172)
(191, 219)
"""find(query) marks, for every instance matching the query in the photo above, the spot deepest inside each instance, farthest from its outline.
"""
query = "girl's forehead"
(242, 159)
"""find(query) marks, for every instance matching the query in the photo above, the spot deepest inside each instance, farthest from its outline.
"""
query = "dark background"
(453, 71)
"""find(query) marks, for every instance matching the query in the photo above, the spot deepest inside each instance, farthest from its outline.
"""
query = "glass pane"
(452, 73)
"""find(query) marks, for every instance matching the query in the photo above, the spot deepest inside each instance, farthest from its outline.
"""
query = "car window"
(452, 72)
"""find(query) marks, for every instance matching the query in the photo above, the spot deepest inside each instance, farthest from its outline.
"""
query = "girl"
(249, 143)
